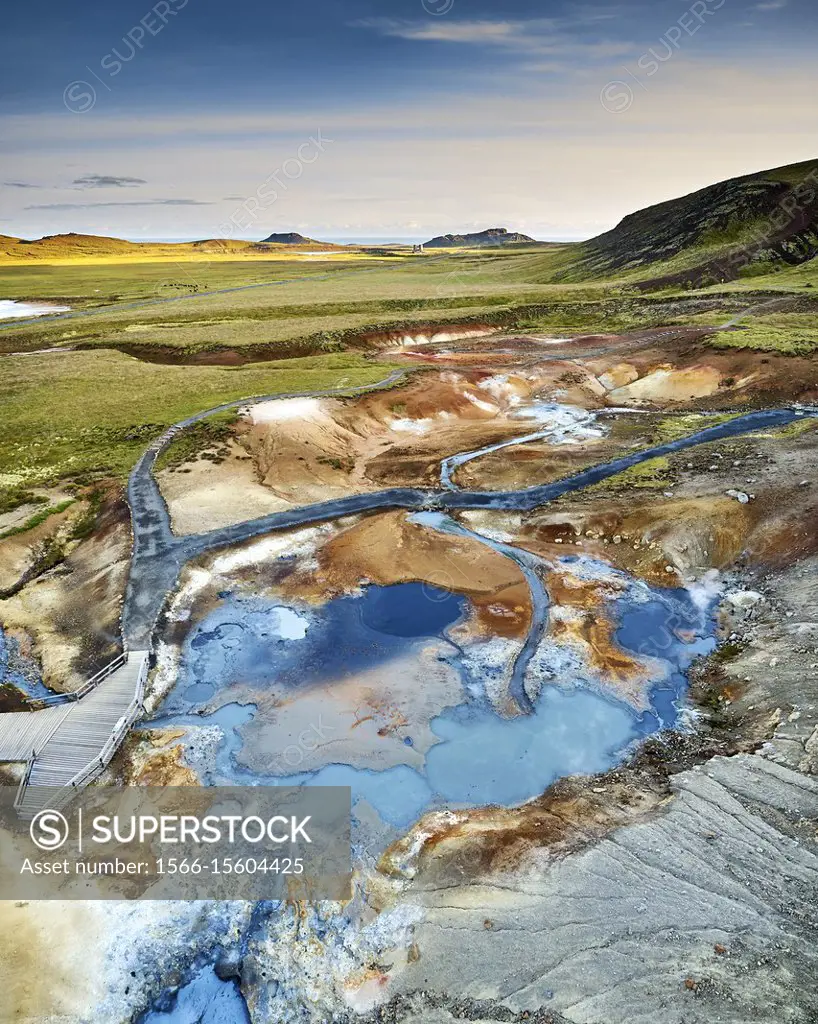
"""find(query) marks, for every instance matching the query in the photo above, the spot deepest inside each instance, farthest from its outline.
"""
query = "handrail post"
(21, 789)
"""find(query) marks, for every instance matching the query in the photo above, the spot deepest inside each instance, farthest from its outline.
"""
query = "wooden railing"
(90, 684)
(21, 789)
(62, 795)
(118, 733)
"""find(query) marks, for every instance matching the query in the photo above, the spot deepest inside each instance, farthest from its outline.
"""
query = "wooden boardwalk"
(22, 732)
(68, 745)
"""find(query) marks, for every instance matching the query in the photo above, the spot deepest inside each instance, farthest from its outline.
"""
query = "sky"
(390, 118)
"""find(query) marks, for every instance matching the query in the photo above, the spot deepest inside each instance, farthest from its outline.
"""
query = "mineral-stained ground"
(582, 739)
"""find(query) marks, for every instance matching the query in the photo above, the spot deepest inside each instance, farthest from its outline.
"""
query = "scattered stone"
(740, 496)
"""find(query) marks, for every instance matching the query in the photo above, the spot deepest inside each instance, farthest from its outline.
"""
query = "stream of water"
(10, 309)
(18, 671)
(561, 424)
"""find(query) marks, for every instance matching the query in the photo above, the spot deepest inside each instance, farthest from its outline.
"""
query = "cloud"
(107, 181)
(136, 202)
(550, 160)
(771, 5)
(547, 67)
(20, 184)
(545, 36)
(490, 32)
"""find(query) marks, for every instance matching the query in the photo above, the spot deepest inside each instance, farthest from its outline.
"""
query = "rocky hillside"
(719, 232)
(491, 236)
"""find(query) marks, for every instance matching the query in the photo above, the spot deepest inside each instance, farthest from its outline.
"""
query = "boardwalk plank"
(70, 739)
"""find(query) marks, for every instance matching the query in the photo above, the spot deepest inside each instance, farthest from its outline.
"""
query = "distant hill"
(71, 245)
(718, 233)
(67, 243)
(491, 236)
(747, 225)
(293, 238)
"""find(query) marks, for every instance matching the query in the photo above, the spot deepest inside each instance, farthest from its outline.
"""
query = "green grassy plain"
(319, 311)
(79, 415)
(294, 308)
(94, 410)
(794, 334)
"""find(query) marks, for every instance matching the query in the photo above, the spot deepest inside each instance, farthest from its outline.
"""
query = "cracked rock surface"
(706, 912)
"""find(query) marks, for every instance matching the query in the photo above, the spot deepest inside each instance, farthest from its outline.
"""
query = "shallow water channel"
(10, 309)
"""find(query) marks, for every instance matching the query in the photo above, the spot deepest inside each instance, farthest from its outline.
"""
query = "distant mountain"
(491, 236)
(293, 238)
(289, 238)
(718, 233)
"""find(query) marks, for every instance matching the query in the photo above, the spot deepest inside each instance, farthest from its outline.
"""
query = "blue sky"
(191, 118)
